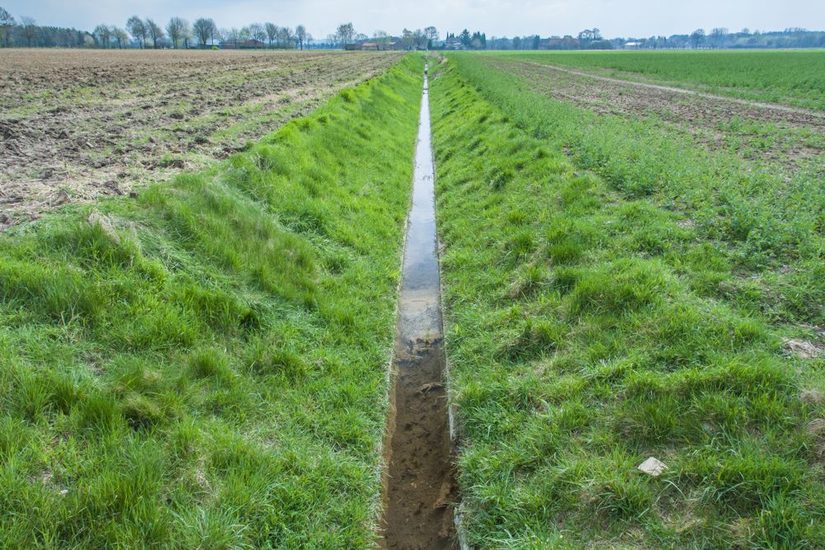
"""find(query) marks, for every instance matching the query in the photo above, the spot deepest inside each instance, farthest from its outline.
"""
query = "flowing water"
(419, 488)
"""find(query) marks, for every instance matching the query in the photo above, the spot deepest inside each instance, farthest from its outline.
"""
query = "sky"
(615, 18)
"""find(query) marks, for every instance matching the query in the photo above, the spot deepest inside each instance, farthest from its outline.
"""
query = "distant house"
(253, 43)
(195, 44)
(453, 44)
(373, 46)
(632, 45)
(566, 42)
(242, 44)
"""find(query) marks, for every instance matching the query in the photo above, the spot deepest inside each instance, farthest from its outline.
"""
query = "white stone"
(653, 467)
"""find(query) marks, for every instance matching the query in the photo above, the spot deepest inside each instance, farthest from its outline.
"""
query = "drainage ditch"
(419, 484)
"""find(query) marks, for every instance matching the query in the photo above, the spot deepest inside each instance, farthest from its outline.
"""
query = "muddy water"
(418, 484)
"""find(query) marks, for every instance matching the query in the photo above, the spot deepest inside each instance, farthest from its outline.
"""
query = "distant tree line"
(592, 39)
(347, 37)
(588, 39)
(722, 38)
(26, 33)
(205, 33)
(475, 41)
(147, 33)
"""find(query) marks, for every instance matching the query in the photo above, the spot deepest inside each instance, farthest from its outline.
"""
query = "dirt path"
(788, 137)
(419, 486)
(808, 115)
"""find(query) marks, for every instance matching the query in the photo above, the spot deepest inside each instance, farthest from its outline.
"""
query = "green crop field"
(615, 291)
(795, 78)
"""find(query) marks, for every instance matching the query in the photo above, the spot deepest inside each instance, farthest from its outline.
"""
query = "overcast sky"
(495, 17)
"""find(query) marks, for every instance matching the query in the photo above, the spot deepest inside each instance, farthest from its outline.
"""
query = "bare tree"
(186, 35)
(286, 37)
(271, 32)
(155, 32)
(718, 36)
(407, 39)
(102, 35)
(232, 36)
(137, 29)
(244, 34)
(177, 29)
(7, 22)
(215, 35)
(420, 39)
(382, 39)
(344, 34)
(697, 37)
(205, 30)
(120, 37)
(301, 35)
(258, 32)
(432, 35)
(29, 29)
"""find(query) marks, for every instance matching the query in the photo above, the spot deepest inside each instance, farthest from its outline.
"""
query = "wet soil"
(420, 490)
(78, 124)
(419, 483)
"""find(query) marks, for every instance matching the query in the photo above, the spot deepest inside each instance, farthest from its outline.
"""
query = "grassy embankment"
(626, 299)
(205, 367)
(795, 78)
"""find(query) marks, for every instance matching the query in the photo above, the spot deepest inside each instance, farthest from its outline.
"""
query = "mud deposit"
(419, 487)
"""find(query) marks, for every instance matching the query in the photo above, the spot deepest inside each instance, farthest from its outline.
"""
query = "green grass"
(207, 368)
(765, 144)
(792, 77)
(610, 299)
(764, 225)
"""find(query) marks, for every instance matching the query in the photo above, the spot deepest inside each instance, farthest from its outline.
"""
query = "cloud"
(495, 17)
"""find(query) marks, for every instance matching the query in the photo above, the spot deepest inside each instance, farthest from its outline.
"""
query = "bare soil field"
(787, 135)
(75, 125)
